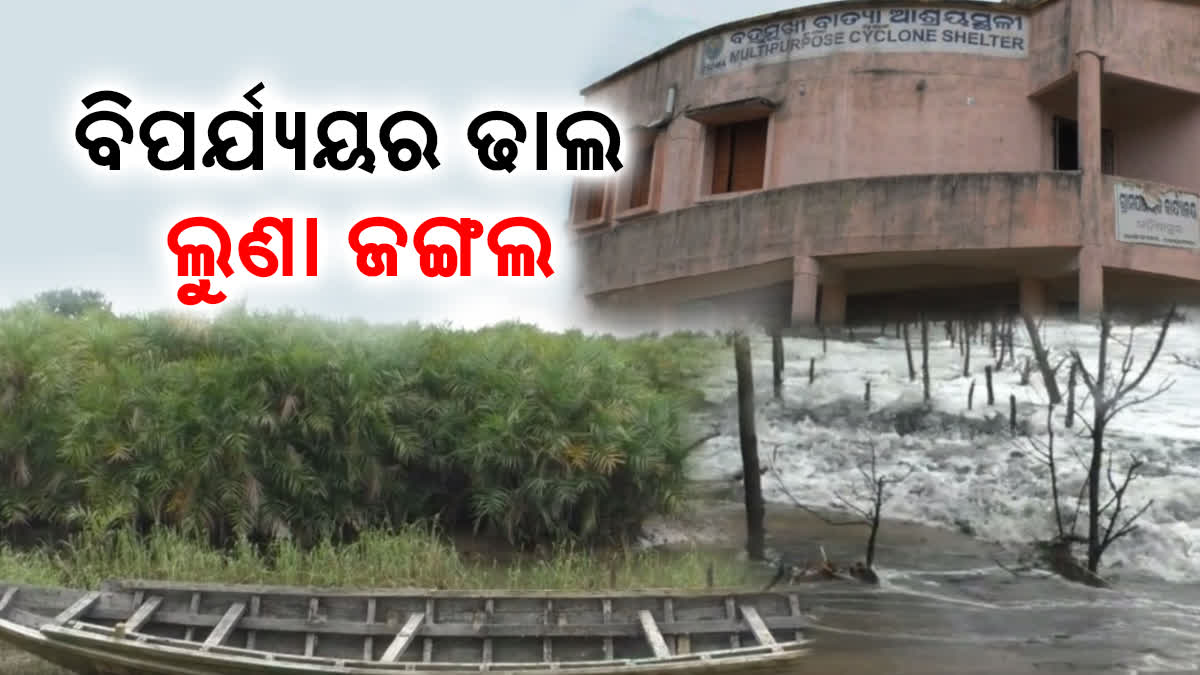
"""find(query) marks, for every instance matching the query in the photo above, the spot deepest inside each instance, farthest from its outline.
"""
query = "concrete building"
(849, 159)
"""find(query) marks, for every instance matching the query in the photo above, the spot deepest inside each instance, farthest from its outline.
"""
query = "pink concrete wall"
(1051, 44)
(1157, 134)
(861, 115)
(1152, 40)
(852, 115)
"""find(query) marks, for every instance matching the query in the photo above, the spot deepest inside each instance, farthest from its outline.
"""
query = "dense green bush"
(267, 426)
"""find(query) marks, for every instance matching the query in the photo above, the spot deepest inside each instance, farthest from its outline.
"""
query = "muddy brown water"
(945, 606)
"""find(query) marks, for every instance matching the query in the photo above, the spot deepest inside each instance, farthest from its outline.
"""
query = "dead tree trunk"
(925, 355)
(1042, 359)
(751, 475)
(966, 357)
(987, 373)
(777, 363)
(912, 371)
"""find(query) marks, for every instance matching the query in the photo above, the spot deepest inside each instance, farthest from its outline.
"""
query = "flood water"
(996, 623)
(945, 606)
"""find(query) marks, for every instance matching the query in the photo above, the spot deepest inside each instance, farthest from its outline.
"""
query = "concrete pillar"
(805, 278)
(1033, 297)
(833, 302)
(1091, 275)
(1088, 103)
(1091, 283)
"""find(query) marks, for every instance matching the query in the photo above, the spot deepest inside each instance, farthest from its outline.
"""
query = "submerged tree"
(1110, 389)
(865, 502)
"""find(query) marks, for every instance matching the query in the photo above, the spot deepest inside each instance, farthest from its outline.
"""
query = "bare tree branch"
(1158, 345)
(800, 505)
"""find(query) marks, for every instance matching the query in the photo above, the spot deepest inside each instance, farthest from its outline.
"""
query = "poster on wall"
(884, 29)
(1157, 217)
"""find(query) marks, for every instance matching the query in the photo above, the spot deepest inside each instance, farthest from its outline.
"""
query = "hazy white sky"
(66, 228)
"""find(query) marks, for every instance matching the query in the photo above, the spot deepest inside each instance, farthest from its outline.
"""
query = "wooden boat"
(160, 628)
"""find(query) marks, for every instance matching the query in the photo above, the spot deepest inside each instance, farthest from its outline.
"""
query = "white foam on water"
(991, 483)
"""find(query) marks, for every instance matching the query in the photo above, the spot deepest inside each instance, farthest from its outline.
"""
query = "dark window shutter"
(749, 155)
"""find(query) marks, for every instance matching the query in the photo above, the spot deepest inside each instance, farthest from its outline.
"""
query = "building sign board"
(883, 29)
(1157, 217)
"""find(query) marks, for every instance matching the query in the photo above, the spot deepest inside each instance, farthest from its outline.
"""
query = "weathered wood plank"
(255, 608)
(224, 627)
(735, 640)
(142, 614)
(794, 604)
(547, 643)
(430, 617)
(606, 606)
(616, 629)
(369, 641)
(160, 587)
(653, 636)
(759, 628)
(194, 607)
(9, 594)
(403, 638)
(669, 616)
(310, 640)
(485, 659)
(78, 608)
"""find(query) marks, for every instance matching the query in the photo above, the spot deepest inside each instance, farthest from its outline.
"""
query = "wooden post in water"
(777, 363)
(925, 355)
(912, 371)
(751, 476)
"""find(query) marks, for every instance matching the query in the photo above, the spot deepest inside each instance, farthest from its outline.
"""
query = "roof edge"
(1025, 6)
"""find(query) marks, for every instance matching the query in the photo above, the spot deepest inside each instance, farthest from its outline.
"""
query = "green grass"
(414, 556)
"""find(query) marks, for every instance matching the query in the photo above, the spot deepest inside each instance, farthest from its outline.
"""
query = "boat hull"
(155, 628)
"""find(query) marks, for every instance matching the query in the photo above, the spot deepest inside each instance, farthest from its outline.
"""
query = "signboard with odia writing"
(1157, 217)
(885, 29)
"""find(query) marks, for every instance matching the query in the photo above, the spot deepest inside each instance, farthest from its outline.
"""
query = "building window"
(1066, 147)
(739, 156)
(638, 182)
(589, 201)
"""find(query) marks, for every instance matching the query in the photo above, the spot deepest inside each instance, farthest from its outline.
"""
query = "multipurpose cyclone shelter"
(858, 159)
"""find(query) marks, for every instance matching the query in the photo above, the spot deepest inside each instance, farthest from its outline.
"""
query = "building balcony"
(868, 236)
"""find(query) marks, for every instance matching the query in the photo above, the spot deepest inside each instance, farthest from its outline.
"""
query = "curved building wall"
(828, 96)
